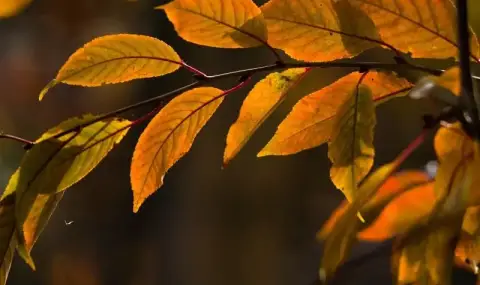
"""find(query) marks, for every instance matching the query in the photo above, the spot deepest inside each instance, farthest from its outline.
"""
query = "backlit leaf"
(380, 212)
(54, 164)
(310, 122)
(351, 144)
(218, 23)
(168, 137)
(318, 30)
(264, 98)
(10, 8)
(115, 59)
(423, 28)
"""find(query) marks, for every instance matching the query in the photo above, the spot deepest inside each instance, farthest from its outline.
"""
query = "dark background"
(251, 223)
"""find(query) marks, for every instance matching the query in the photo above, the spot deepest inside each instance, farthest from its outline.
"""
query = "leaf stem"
(464, 56)
(26, 142)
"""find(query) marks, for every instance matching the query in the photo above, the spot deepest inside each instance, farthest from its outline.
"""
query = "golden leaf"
(351, 144)
(115, 59)
(310, 122)
(218, 23)
(260, 103)
(433, 29)
(168, 137)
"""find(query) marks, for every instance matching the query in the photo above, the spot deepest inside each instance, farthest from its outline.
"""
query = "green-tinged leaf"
(10, 8)
(218, 23)
(7, 236)
(54, 164)
(310, 122)
(351, 144)
(168, 137)
(81, 151)
(260, 103)
(35, 222)
(115, 59)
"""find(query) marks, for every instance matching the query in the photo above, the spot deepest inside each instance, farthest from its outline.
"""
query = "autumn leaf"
(351, 144)
(54, 164)
(115, 59)
(340, 239)
(409, 264)
(218, 23)
(434, 29)
(168, 137)
(260, 103)
(9, 8)
(450, 139)
(7, 236)
(318, 30)
(467, 251)
(310, 122)
(384, 213)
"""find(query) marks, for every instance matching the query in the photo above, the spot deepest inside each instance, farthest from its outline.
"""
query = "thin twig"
(17, 139)
(464, 56)
(204, 79)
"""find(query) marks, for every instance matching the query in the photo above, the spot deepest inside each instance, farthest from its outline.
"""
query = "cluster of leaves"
(317, 34)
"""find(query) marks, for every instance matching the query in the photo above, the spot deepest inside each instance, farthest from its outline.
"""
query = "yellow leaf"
(430, 33)
(467, 251)
(54, 164)
(339, 240)
(115, 59)
(452, 139)
(351, 144)
(168, 137)
(318, 30)
(218, 23)
(260, 103)
(10, 8)
(7, 236)
(310, 122)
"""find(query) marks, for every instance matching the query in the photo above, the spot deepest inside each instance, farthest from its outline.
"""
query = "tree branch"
(466, 78)
(202, 79)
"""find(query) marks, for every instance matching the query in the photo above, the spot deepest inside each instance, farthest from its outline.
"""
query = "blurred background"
(253, 222)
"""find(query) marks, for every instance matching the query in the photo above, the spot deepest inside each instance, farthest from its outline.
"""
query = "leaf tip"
(44, 91)
(25, 255)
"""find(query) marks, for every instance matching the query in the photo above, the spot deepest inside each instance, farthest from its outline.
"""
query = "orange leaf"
(452, 139)
(10, 8)
(310, 122)
(168, 137)
(430, 33)
(394, 188)
(264, 98)
(218, 23)
(401, 213)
